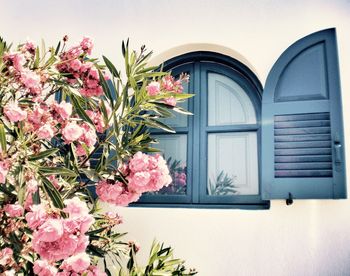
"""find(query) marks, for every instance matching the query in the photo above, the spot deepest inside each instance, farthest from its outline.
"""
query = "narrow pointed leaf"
(52, 192)
(42, 154)
(2, 137)
(79, 109)
(111, 67)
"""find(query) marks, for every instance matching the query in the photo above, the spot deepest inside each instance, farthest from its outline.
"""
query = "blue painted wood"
(254, 96)
(303, 166)
(198, 142)
(303, 158)
(301, 103)
(296, 145)
(303, 138)
(302, 117)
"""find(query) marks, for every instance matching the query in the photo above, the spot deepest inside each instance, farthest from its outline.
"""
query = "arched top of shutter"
(301, 72)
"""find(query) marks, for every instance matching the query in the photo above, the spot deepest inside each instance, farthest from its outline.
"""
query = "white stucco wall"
(307, 238)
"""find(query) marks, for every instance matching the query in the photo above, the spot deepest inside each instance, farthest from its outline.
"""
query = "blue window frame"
(208, 69)
(297, 128)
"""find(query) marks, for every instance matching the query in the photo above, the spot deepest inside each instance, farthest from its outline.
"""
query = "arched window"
(214, 155)
(241, 147)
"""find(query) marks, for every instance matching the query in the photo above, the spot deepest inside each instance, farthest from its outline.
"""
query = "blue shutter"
(302, 126)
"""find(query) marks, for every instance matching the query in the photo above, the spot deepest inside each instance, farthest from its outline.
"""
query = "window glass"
(228, 103)
(232, 164)
(174, 148)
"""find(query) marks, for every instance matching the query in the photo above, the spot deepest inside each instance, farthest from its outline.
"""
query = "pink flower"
(14, 113)
(98, 91)
(64, 109)
(75, 65)
(139, 181)
(116, 193)
(43, 268)
(77, 263)
(50, 231)
(75, 207)
(32, 185)
(29, 46)
(139, 162)
(37, 216)
(3, 171)
(97, 119)
(87, 45)
(17, 60)
(45, 132)
(31, 80)
(14, 210)
(5, 256)
(72, 132)
(108, 192)
(67, 245)
(153, 88)
(170, 101)
(89, 136)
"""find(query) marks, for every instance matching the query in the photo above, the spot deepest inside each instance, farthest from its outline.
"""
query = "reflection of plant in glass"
(178, 174)
(222, 185)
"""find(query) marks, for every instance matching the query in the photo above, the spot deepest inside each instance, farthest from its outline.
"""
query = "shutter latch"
(289, 200)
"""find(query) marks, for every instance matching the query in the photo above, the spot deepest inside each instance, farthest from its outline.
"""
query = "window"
(214, 155)
(243, 147)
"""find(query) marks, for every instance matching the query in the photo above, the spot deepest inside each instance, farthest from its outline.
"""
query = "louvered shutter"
(302, 128)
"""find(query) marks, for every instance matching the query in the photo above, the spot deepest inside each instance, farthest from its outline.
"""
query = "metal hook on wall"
(289, 200)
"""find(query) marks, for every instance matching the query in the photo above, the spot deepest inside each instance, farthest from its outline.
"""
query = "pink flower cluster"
(14, 210)
(47, 120)
(167, 84)
(144, 173)
(29, 81)
(73, 62)
(76, 265)
(56, 238)
(6, 256)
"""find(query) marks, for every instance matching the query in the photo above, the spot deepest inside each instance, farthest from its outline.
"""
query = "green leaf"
(37, 58)
(181, 110)
(42, 154)
(36, 197)
(52, 192)
(58, 48)
(2, 137)
(111, 67)
(93, 250)
(57, 170)
(158, 124)
(79, 109)
(105, 88)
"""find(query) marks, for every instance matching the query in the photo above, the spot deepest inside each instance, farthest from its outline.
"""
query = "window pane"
(174, 148)
(179, 120)
(233, 164)
(228, 103)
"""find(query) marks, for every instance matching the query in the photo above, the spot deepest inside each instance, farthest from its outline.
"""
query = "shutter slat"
(304, 173)
(315, 151)
(303, 166)
(297, 131)
(302, 117)
(295, 145)
(303, 138)
(307, 158)
(299, 124)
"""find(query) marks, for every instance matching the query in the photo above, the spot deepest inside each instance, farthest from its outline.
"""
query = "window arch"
(214, 155)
